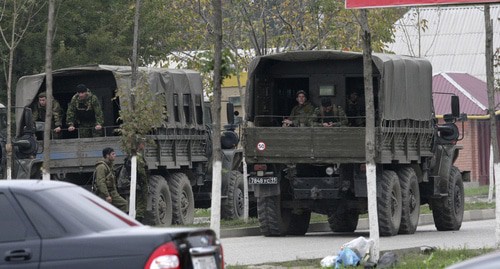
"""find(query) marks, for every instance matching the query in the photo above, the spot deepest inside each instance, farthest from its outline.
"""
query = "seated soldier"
(331, 115)
(39, 111)
(304, 114)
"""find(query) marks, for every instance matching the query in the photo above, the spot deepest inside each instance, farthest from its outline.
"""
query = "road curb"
(425, 219)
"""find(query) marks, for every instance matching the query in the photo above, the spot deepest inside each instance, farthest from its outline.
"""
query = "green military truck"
(178, 155)
(298, 170)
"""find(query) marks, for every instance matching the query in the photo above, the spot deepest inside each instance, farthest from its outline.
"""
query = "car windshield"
(88, 209)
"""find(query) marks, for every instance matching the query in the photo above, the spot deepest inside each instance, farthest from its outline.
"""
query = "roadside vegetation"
(407, 259)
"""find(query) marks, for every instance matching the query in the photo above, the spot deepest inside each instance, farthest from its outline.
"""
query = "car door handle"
(18, 255)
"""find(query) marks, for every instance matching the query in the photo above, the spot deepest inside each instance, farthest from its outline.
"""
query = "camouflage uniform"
(304, 115)
(38, 114)
(106, 184)
(85, 114)
(355, 113)
(337, 116)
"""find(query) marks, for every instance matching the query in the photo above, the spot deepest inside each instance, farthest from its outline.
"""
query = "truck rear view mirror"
(455, 106)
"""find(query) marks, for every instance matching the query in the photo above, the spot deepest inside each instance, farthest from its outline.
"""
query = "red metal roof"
(471, 91)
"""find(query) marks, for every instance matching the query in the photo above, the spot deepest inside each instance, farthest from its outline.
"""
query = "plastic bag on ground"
(328, 261)
(362, 246)
(346, 257)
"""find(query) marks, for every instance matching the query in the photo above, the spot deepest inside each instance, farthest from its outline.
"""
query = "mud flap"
(445, 155)
(266, 190)
(24, 168)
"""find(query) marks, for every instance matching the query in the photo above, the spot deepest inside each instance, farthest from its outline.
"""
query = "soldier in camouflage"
(355, 110)
(84, 112)
(105, 180)
(304, 114)
(39, 111)
(332, 115)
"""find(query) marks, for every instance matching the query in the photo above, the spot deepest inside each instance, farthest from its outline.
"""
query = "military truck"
(178, 156)
(298, 170)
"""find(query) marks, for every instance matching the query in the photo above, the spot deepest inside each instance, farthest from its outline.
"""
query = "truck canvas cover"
(405, 84)
(161, 81)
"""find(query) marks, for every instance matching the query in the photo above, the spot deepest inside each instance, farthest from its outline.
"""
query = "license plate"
(204, 262)
(263, 180)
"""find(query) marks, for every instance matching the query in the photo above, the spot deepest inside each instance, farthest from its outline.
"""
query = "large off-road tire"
(233, 205)
(342, 219)
(161, 202)
(273, 220)
(299, 222)
(410, 194)
(182, 199)
(448, 212)
(389, 203)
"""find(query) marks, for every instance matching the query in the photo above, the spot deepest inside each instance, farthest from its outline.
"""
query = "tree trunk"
(134, 143)
(488, 53)
(371, 171)
(216, 108)
(48, 78)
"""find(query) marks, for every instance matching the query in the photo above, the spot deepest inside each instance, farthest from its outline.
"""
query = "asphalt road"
(259, 249)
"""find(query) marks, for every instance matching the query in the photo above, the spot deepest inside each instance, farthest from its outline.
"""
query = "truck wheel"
(410, 195)
(272, 219)
(233, 206)
(448, 212)
(182, 199)
(299, 223)
(343, 220)
(161, 202)
(389, 203)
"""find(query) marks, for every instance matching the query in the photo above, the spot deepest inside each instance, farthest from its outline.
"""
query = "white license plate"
(204, 262)
(263, 180)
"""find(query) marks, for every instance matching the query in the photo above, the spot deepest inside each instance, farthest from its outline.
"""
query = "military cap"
(42, 94)
(81, 88)
(301, 92)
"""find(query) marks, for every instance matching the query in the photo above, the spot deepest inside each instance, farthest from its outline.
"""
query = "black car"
(50, 224)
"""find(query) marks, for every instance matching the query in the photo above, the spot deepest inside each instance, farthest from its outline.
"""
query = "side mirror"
(455, 106)
(230, 113)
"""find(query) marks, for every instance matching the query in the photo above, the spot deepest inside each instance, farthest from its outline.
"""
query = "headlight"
(329, 170)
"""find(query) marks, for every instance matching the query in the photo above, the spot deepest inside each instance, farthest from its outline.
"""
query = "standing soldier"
(40, 109)
(355, 110)
(84, 112)
(105, 180)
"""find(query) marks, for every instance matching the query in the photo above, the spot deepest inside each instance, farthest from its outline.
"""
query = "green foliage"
(140, 111)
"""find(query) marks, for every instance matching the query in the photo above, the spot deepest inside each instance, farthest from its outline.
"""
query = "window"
(186, 100)
(327, 90)
(235, 100)
(176, 108)
(11, 225)
(199, 111)
(44, 223)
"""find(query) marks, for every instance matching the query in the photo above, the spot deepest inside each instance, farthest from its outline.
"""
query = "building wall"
(469, 155)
